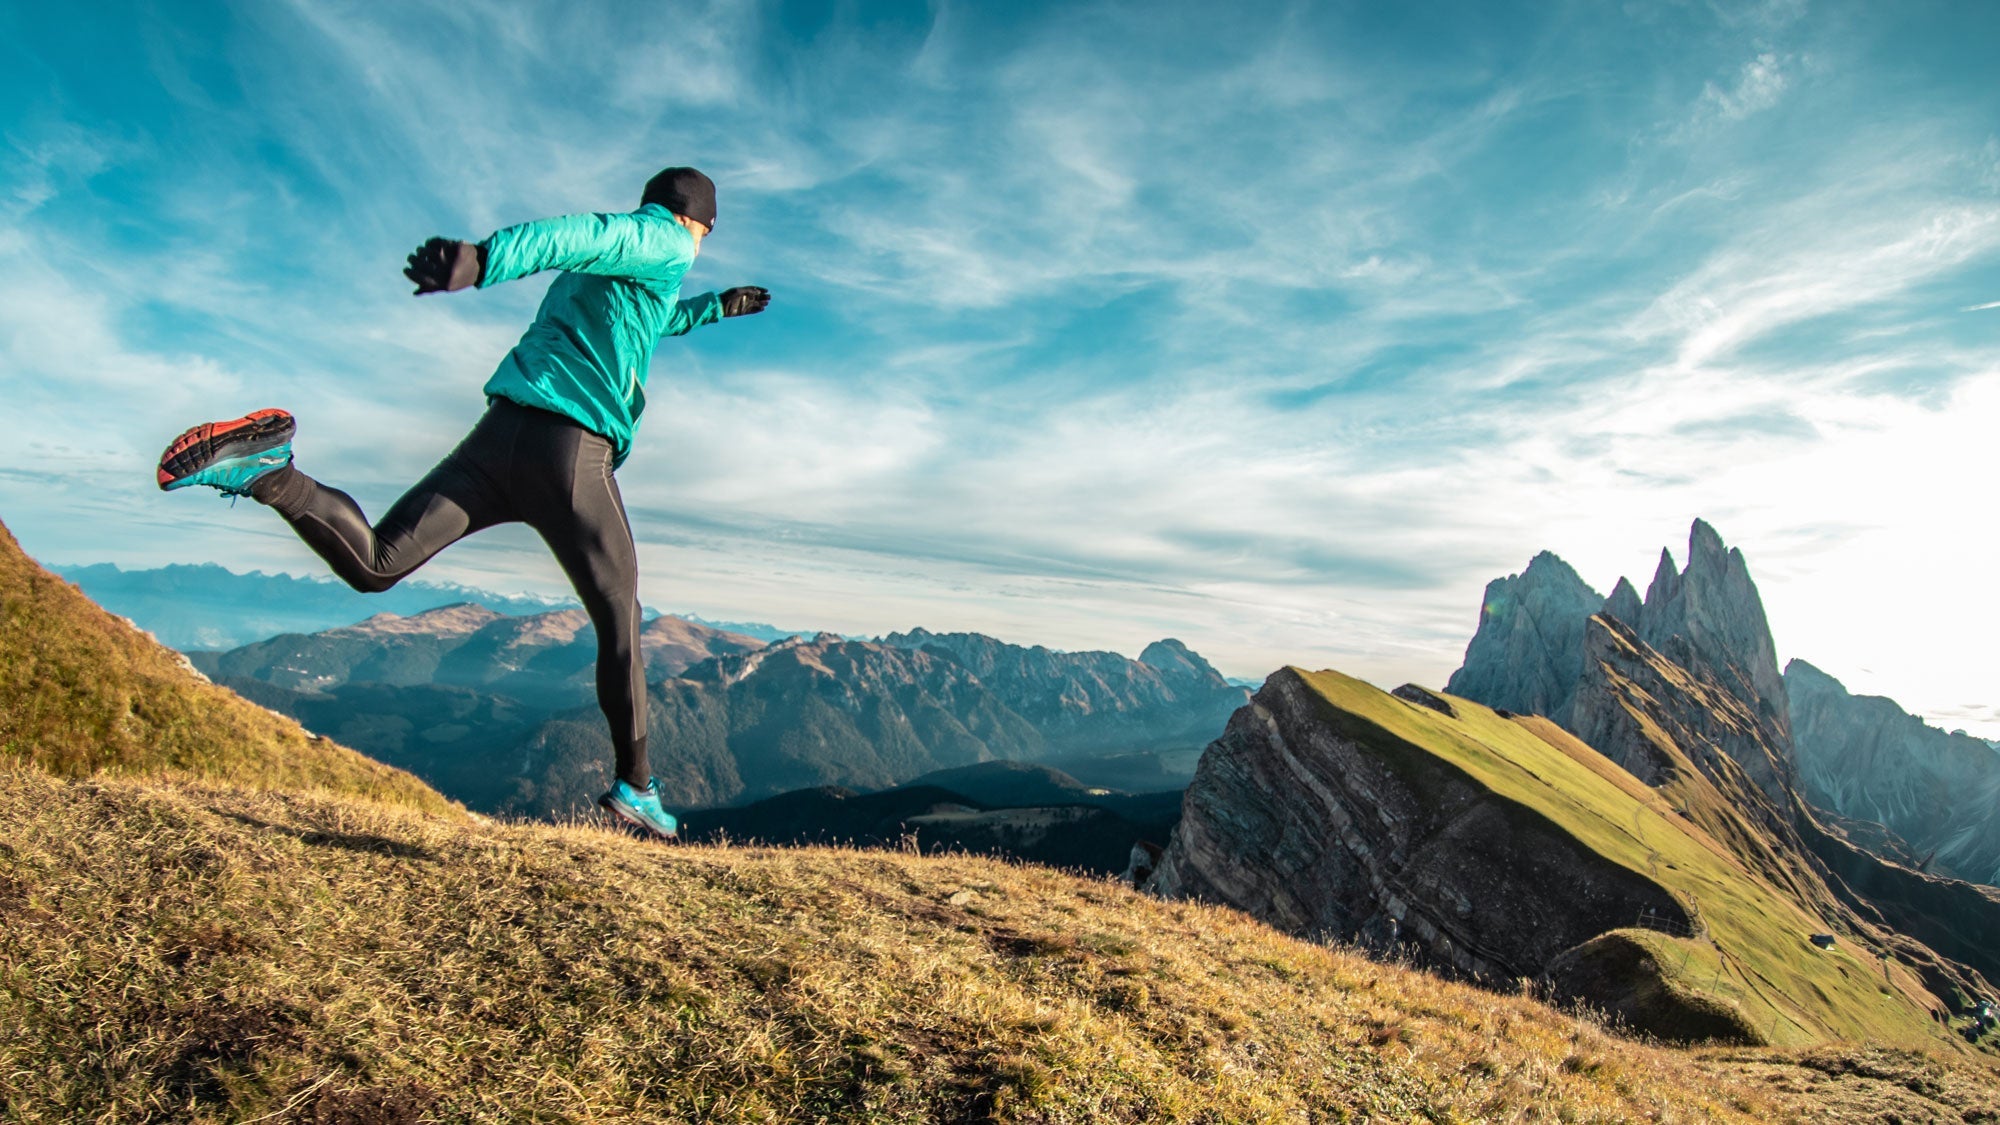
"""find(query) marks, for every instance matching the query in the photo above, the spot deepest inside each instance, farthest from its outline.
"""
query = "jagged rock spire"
(1624, 603)
(1714, 606)
(1527, 654)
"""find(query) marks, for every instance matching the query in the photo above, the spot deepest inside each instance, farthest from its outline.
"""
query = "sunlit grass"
(1757, 956)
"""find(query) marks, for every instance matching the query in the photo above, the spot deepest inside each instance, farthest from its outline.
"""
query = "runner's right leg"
(453, 500)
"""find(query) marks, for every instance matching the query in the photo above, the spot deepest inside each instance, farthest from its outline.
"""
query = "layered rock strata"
(1325, 825)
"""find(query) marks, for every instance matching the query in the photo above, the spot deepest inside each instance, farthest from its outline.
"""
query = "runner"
(560, 415)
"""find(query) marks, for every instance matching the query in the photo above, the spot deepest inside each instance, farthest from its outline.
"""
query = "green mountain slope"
(83, 692)
(1754, 957)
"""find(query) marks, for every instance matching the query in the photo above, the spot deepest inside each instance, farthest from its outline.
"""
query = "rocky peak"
(1714, 604)
(1527, 654)
(1624, 603)
(1179, 663)
(1666, 584)
(445, 621)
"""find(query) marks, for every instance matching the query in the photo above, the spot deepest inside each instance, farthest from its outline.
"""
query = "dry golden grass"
(198, 953)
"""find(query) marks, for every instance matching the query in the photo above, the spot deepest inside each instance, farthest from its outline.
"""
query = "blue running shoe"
(641, 809)
(231, 455)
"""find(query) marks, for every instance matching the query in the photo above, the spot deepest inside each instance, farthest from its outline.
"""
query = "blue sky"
(1281, 329)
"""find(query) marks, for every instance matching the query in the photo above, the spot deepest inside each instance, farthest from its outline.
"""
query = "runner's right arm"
(643, 245)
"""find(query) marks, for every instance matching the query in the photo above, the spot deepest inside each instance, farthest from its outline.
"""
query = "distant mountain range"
(211, 608)
(1866, 758)
(498, 711)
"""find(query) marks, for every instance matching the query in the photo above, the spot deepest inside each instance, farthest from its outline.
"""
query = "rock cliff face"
(1528, 652)
(1095, 700)
(1634, 697)
(1326, 825)
(1715, 608)
(1864, 757)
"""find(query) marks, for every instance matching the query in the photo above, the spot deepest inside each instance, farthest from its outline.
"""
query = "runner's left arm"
(692, 313)
(711, 307)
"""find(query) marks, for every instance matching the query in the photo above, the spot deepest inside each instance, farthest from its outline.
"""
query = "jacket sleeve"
(692, 313)
(630, 245)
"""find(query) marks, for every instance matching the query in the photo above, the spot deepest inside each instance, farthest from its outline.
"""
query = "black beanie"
(683, 191)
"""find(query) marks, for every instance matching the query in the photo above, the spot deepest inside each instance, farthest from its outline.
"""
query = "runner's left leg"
(582, 519)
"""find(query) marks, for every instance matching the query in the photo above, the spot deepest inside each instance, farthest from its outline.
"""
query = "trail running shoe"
(640, 808)
(229, 455)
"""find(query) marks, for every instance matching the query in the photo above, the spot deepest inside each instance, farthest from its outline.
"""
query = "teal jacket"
(587, 354)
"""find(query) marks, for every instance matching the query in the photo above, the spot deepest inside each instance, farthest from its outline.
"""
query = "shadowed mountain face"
(1528, 653)
(1864, 757)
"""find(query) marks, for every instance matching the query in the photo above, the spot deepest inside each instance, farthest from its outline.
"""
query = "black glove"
(744, 300)
(442, 264)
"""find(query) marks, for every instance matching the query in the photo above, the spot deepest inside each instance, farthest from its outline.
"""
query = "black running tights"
(522, 465)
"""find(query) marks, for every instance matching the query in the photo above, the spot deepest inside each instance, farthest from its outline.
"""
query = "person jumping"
(561, 411)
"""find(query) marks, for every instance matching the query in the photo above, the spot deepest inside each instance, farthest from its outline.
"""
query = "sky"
(1281, 329)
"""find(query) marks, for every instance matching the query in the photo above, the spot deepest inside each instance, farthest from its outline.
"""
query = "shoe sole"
(619, 813)
(204, 445)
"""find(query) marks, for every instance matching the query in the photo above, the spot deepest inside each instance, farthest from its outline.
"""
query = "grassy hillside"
(83, 692)
(206, 953)
(1755, 958)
